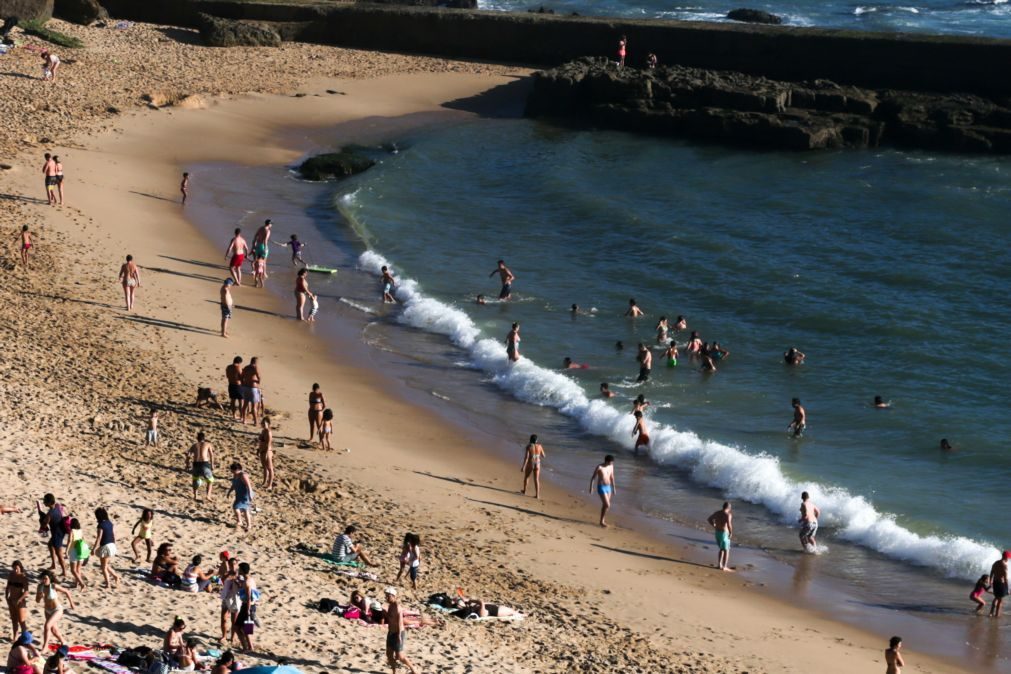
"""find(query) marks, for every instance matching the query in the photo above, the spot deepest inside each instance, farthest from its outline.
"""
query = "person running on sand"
(251, 395)
(799, 423)
(143, 530)
(317, 403)
(301, 293)
(605, 390)
(129, 276)
(59, 177)
(55, 516)
(999, 583)
(633, 310)
(227, 304)
(151, 437)
(893, 658)
(388, 283)
(346, 550)
(982, 586)
(200, 462)
(50, 64)
(809, 514)
(233, 373)
(105, 547)
(245, 620)
(645, 360)
(49, 593)
(512, 341)
(296, 250)
(326, 430)
(25, 240)
(184, 187)
(507, 278)
(236, 255)
(639, 430)
(78, 554)
(16, 594)
(532, 465)
(22, 656)
(396, 632)
(722, 521)
(242, 505)
(265, 450)
(603, 475)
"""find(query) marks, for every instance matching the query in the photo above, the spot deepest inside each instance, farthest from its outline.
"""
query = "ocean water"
(957, 17)
(888, 269)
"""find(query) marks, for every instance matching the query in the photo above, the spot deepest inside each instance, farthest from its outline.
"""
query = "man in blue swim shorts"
(722, 522)
(603, 475)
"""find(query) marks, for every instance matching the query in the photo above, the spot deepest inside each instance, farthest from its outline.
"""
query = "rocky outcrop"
(28, 10)
(84, 12)
(217, 32)
(455, 4)
(343, 164)
(754, 16)
(742, 109)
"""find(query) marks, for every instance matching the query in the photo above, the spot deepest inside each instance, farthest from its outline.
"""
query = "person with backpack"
(57, 518)
(78, 552)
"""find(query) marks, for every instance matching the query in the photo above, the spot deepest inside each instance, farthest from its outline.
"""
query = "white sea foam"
(757, 478)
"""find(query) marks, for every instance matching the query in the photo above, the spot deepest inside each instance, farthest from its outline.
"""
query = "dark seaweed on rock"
(339, 165)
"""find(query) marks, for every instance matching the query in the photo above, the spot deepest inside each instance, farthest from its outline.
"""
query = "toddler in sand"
(142, 531)
(151, 439)
(326, 430)
(25, 237)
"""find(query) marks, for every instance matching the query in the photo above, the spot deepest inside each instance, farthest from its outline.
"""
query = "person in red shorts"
(236, 255)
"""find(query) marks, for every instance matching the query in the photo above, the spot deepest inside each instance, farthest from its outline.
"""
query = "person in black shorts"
(234, 375)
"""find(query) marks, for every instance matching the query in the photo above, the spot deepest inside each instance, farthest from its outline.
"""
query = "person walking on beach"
(261, 242)
(722, 521)
(532, 465)
(243, 503)
(57, 518)
(799, 422)
(809, 514)
(16, 594)
(893, 658)
(317, 403)
(25, 239)
(265, 450)
(236, 255)
(645, 360)
(507, 278)
(301, 293)
(513, 343)
(999, 583)
(129, 276)
(184, 187)
(59, 177)
(396, 630)
(251, 396)
(387, 281)
(603, 475)
(640, 432)
(233, 373)
(245, 620)
(226, 304)
(49, 593)
(105, 547)
(200, 462)
(49, 173)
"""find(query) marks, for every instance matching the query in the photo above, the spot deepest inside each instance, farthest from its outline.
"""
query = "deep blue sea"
(959, 17)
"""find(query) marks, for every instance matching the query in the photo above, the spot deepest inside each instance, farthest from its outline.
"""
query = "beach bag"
(134, 657)
(82, 549)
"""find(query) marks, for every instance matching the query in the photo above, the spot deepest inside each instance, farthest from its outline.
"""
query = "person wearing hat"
(23, 654)
(226, 304)
(999, 583)
(395, 633)
(56, 663)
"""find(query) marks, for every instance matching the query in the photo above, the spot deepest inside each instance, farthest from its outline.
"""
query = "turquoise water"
(888, 269)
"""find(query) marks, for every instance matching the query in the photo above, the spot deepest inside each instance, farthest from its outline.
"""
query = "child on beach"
(982, 585)
(259, 271)
(25, 237)
(605, 390)
(142, 532)
(313, 308)
(642, 435)
(296, 249)
(184, 186)
(151, 439)
(410, 558)
(50, 64)
(326, 430)
(78, 553)
(671, 354)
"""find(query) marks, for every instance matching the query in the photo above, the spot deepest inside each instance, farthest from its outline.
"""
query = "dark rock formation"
(217, 32)
(754, 16)
(746, 110)
(84, 12)
(28, 10)
(456, 4)
(343, 164)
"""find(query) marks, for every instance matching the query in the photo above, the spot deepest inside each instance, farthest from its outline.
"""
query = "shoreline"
(109, 184)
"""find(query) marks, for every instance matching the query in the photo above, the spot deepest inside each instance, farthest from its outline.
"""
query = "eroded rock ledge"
(746, 110)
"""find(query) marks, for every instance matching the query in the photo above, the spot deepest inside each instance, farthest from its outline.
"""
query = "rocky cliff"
(743, 109)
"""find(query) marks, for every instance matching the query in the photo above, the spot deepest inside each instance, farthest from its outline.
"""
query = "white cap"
(392, 591)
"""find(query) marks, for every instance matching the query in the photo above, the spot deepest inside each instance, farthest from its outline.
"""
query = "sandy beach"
(81, 374)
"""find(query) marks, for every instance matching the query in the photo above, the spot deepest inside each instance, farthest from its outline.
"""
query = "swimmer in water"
(480, 300)
(645, 359)
(799, 422)
(633, 309)
(880, 404)
(388, 282)
(619, 346)
(513, 343)
(694, 344)
(671, 354)
(661, 330)
(639, 430)
(605, 390)
(680, 324)
(794, 357)
(567, 364)
(507, 278)
(893, 658)
(639, 404)
(946, 446)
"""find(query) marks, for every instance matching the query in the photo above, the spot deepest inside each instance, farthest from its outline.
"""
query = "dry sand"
(80, 373)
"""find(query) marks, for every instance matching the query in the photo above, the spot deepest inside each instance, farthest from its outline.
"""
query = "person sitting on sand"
(188, 657)
(175, 642)
(23, 655)
(225, 664)
(605, 390)
(371, 611)
(193, 579)
(57, 662)
(345, 550)
(49, 594)
(165, 567)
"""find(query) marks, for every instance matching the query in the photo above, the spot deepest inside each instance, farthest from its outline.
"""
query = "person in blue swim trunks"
(603, 475)
(722, 522)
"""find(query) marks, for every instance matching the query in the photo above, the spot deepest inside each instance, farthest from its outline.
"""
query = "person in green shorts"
(722, 521)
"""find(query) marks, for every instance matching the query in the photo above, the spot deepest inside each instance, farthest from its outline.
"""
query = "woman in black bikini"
(17, 598)
(317, 403)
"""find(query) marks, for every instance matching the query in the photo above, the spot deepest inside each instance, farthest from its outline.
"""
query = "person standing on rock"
(622, 44)
(236, 255)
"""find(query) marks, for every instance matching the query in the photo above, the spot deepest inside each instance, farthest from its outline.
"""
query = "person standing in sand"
(129, 276)
(722, 521)
(532, 465)
(261, 243)
(243, 503)
(622, 45)
(56, 518)
(16, 595)
(317, 403)
(265, 450)
(893, 658)
(226, 304)
(251, 395)
(236, 255)
(512, 341)
(507, 278)
(799, 423)
(49, 173)
(301, 293)
(105, 547)
(49, 593)
(245, 620)
(184, 187)
(395, 633)
(233, 373)
(999, 583)
(50, 64)
(603, 475)
(200, 462)
(809, 514)
(59, 177)
(25, 239)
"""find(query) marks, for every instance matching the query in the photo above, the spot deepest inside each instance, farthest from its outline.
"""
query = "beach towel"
(272, 669)
(516, 617)
(326, 557)
(110, 666)
(353, 573)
